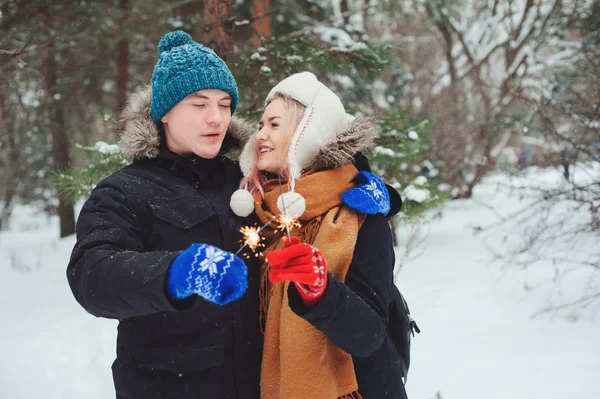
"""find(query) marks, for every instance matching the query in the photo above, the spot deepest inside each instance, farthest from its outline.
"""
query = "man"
(148, 237)
(156, 239)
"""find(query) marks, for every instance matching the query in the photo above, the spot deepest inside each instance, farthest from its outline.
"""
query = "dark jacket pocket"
(179, 360)
(184, 213)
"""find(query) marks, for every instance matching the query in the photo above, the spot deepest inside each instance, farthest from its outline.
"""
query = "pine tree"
(400, 158)
(319, 39)
(101, 159)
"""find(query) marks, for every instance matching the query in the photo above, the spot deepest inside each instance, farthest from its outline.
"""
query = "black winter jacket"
(355, 314)
(134, 224)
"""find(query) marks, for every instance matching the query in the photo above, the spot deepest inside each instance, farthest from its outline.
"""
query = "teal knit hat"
(185, 67)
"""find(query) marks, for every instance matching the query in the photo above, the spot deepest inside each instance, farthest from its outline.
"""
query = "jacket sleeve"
(354, 314)
(110, 274)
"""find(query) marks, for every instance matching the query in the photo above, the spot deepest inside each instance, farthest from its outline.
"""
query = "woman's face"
(271, 139)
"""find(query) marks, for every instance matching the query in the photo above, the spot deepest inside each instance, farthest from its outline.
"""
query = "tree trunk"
(122, 57)
(394, 227)
(7, 127)
(345, 11)
(60, 141)
(487, 164)
(366, 10)
(218, 28)
(262, 26)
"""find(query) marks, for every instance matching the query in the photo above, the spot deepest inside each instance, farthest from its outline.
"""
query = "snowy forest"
(489, 113)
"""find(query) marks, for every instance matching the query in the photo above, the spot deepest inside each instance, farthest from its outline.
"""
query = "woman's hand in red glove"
(302, 264)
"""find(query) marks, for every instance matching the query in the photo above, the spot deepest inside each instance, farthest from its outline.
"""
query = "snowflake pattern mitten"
(216, 275)
(370, 196)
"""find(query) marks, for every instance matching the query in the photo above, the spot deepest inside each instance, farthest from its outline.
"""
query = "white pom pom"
(295, 205)
(242, 202)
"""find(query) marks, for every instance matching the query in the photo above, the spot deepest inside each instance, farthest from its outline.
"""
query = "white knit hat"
(323, 119)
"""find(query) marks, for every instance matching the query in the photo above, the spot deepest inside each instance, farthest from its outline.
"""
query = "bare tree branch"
(586, 300)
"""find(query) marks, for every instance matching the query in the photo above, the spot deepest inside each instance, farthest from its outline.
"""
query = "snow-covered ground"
(478, 341)
(51, 348)
(479, 338)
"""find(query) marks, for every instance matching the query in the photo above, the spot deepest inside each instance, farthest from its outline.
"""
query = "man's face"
(198, 123)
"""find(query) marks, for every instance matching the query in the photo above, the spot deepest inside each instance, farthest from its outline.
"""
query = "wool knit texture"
(185, 67)
(299, 361)
(216, 275)
(370, 196)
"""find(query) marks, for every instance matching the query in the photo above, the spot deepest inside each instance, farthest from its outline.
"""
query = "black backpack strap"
(401, 327)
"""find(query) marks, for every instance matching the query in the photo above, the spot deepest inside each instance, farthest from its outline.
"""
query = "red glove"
(302, 264)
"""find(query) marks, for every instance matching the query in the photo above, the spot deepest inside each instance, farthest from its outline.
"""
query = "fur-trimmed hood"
(138, 134)
(358, 136)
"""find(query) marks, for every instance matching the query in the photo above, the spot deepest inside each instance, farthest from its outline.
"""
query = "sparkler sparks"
(252, 238)
(287, 223)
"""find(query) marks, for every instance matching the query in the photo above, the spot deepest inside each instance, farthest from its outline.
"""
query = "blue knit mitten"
(216, 275)
(370, 196)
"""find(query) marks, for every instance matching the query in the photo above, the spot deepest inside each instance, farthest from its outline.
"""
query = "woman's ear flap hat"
(323, 119)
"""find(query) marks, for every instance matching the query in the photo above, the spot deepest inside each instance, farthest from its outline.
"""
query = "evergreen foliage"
(388, 60)
(401, 159)
(101, 160)
(342, 56)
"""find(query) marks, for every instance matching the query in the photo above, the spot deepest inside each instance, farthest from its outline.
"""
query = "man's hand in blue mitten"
(216, 275)
(370, 196)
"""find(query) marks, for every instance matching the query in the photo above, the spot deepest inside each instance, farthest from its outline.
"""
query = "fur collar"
(139, 137)
(358, 136)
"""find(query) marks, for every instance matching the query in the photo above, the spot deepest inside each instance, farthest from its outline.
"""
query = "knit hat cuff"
(184, 85)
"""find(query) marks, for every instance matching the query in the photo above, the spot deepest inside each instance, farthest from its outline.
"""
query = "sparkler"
(284, 217)
(287, 222)
(252, 237)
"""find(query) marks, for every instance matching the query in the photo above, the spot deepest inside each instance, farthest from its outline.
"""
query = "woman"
(153, 237)
(330, 284)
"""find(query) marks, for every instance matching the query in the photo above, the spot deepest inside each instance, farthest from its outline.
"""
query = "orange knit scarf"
(299, 361)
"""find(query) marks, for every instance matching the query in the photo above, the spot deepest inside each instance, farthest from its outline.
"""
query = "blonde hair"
(292, 115)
